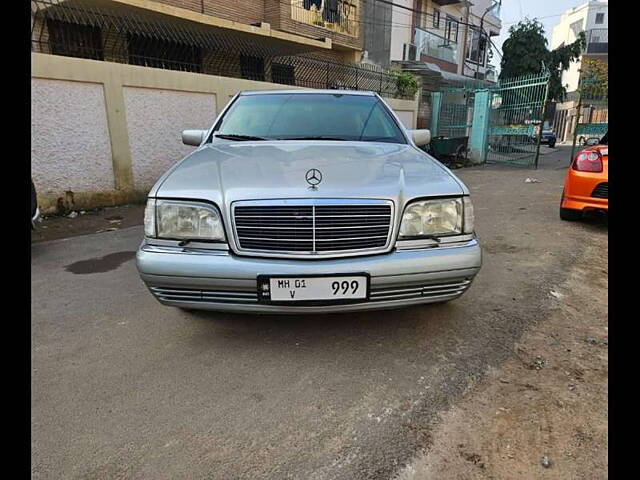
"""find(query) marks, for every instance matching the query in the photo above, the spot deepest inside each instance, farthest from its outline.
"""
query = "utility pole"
(461, 62)
(493, 5)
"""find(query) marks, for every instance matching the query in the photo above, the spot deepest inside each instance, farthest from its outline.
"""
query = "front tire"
(552, 144)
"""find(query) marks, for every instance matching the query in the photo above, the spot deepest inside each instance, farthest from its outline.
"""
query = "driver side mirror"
(193, 137)
(593, 141)
(421, 137)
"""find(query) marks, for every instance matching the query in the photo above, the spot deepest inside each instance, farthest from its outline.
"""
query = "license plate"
(325, 289)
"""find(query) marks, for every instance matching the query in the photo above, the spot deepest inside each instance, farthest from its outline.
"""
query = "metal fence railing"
(90, 30)
(597, 40)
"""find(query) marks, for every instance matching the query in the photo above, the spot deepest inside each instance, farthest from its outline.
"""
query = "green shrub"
(407, 84)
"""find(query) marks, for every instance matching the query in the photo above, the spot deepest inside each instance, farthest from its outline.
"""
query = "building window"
(252, 68)
(74, 40)
(436, 18)
(281, 73)
(576, 27)
(151, 52)
(451, 29)
(476, 46)
(599, 17)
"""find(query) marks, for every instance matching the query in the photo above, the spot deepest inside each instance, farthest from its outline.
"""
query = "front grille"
(601, 190)
(204, 296)
(313, 228)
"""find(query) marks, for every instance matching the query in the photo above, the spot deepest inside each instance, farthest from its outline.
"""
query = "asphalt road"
(123, 387)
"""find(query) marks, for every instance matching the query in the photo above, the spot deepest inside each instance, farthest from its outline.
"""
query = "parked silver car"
(307, 201)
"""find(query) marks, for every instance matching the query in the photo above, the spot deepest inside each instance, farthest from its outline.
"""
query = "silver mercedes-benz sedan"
(303, 201)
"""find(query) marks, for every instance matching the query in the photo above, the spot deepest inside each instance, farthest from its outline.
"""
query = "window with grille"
(155, 53)
(281, 73)
(252, 68)
(74, 40)
(476, 46)
(599, 17)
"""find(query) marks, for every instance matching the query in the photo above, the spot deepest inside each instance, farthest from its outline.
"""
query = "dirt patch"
(543, 413)
(91, 221)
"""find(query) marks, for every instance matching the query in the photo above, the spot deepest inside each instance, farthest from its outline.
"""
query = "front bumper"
(220, 280)
(35, 216)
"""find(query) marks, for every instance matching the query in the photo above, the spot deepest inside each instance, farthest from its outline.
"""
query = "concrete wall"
(154, 135)
(401, 31)
(70, 149)
(102, 133)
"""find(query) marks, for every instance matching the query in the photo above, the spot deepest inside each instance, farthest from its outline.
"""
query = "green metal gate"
(451, 122)
(455, 112)
(516, 112)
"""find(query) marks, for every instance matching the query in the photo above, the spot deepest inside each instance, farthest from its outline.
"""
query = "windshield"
(309, 117)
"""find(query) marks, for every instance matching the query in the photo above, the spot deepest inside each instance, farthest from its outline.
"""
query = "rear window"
(304, 116)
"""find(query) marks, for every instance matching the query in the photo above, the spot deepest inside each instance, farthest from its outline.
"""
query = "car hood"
(226, 172)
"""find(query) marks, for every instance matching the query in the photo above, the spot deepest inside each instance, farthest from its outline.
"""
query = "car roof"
(304, 92)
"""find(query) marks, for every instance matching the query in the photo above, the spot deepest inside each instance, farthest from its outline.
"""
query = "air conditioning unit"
(409, 52)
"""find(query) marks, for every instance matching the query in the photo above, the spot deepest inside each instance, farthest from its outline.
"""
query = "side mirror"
(421, 137)
(193, 137)
(593, 141)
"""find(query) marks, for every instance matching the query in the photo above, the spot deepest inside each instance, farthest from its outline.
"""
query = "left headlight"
(438, 217)
(183, 220)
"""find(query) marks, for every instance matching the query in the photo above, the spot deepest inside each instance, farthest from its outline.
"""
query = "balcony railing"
(433, 45)
(339, 16)
(597, 40)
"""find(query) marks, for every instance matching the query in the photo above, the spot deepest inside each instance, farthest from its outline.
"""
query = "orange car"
(586, 187)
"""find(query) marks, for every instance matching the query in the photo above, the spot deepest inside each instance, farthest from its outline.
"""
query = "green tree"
(525, 52)
(594, 80)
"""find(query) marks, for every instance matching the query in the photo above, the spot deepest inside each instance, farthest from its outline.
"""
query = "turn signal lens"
(588, 162)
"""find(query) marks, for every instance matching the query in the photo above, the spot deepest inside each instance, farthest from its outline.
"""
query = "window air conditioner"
(409, 52)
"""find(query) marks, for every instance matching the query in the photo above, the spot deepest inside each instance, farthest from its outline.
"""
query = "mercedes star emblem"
(313, 177)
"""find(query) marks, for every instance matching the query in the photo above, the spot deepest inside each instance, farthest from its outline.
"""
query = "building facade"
(114, 82)
(446, 33)
(592, 18)
(439, 41)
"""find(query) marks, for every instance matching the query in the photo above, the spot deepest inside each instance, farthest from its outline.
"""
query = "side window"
(599, 17)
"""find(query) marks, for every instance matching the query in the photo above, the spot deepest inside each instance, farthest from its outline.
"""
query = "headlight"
(182, 220)
(439, 217)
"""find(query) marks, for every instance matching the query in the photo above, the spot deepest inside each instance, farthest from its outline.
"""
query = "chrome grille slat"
(400, 292)
(313, 227)
(420, 291)
(199, 296)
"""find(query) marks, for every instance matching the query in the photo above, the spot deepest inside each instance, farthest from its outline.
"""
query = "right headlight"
(183, 220)
(437, 217)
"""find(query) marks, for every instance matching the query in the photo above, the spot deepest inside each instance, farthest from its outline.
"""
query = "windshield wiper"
(318, 137)
(233, 136)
